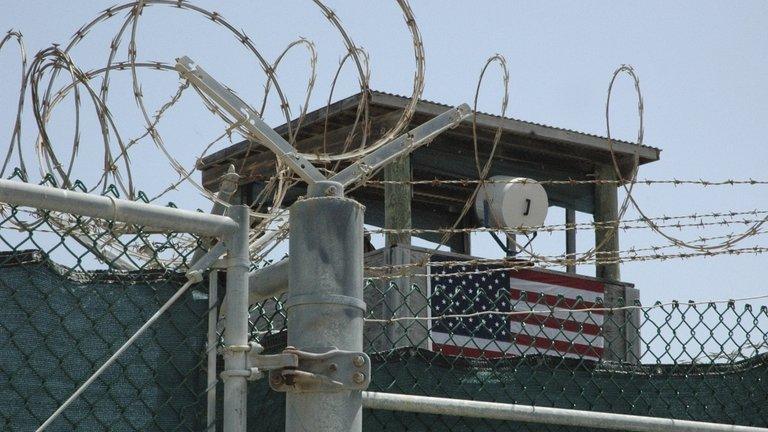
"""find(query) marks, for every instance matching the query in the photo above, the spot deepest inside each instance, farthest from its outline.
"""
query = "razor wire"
(49, 64)
(398, 355)
(46, 93)
(574, 182)
(628, 186)
(402, 270)
(700, 220)
(562, 308)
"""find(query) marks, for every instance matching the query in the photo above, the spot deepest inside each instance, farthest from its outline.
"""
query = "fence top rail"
(104, 207)
(539, 414)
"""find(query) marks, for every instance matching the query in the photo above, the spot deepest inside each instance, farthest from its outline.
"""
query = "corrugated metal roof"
(407, 98)
(510, 125)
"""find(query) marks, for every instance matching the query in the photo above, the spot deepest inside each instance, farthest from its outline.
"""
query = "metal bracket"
(402, 145)
(331, 371)
(249, 118)
(195, 273)
(258, 362)
(270, 362)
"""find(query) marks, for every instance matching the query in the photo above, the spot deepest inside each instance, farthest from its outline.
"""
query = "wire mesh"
(69, 303)
(704, 362)
(460, 332)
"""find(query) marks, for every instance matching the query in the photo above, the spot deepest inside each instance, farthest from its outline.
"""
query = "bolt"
(358, 377)
(333, 367)
(358, 361)
(275, 379)
(330, 191)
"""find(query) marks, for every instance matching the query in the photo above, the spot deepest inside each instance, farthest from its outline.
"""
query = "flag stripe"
(559, 345)
(463, 346)
(441, 338)
(466, 351)
(564, 314)
(555, 334)
(555, 279)
(474, 347)
(567, 292)
(553, 300)
(557, 323)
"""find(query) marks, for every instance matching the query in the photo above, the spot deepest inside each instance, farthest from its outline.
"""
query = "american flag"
(554, 331)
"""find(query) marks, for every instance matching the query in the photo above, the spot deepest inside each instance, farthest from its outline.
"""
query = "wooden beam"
(570, 238)
(511, 245)
(397, 215)
(462, 242)
(607, 211)
(397, 201)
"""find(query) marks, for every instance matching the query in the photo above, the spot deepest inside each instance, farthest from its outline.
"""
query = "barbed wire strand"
(401, 270)
(551, 309)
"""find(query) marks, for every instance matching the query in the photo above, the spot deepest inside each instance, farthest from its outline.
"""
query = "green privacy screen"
(58, 325)
(56, 330)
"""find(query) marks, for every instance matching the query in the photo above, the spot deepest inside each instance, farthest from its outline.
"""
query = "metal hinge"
(307, 372)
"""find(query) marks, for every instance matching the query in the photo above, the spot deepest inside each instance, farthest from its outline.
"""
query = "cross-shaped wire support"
(254, 127)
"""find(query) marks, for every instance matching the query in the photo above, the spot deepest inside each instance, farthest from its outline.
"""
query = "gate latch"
(308, 372)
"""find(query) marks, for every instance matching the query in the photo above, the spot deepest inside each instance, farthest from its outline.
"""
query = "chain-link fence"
(704, 362)
(74, 289)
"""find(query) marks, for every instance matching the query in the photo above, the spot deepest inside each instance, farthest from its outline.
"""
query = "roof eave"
(646, 154)
(517, 127)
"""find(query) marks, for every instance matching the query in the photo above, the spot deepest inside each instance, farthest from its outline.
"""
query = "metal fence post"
(325, 305)
(211, 351)
(236, 332)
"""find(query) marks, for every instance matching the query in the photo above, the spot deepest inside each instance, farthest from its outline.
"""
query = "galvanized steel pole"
(104, 207)
(325, 276)
(236, 333)
(213, 380)
(325, 304)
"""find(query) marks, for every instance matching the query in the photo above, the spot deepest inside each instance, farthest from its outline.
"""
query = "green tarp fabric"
(55, 330)
(730, 394)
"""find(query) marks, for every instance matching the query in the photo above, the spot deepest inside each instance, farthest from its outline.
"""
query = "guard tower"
(526, 150)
